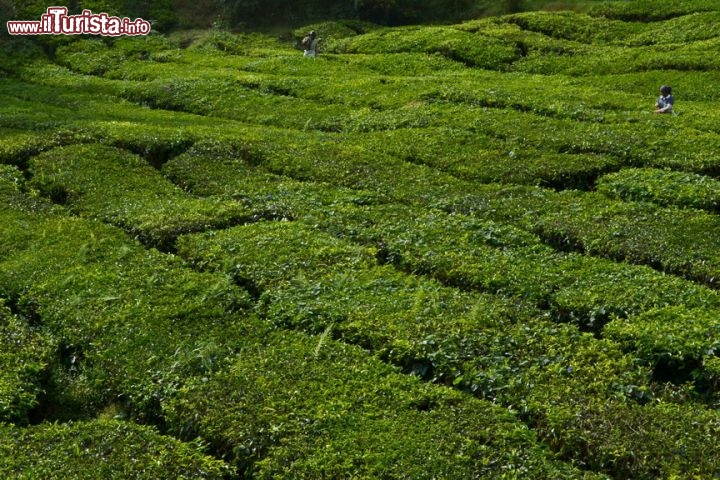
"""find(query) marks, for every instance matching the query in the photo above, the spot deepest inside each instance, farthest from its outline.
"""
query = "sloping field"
(446, 252)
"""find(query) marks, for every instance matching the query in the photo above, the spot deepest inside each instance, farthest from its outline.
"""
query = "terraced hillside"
(451, 252)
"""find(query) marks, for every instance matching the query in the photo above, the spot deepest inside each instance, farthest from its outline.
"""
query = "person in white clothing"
(309, 44)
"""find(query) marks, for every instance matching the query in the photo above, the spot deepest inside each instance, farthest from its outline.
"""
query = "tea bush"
(219, 169)
(100, 56)
(603, 60)
(226, 170)
(266, 253)
(688, 28)
(25, 355)
(433, 332)
(15, 196)
(646, 10)
(404, 64)
(677, 341)
(577, 27)
(473, 50)
(30, 109)
(383, 150)
(673, 240)
(469, 156)
(227, 99)
(325, 271)
(95, 362)
(105, 299)
(641, 440)
(349, 164)
(241, 44)
(101, 449)
(664, 187)
(575, 287)
(89, 57)
(467, 340)
(112, 329)
(487, 349)
(118, 187)
(668, 239)
(18, 145)
(312, 408)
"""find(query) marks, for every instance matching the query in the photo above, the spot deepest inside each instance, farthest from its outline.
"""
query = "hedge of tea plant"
(475, 270)
(195, 97)
(646, 10)
(678, 341)
(103, 297)
(230, 169)
(578, 27)
(673, 240)
(265, 253)
(417, 242)
(664, 187)
(472, 50)
(300, 257)
(415, 186)
(474, 158)
(101, 449)
(108, 321)
(309, 407)
(433, 332)
(126, 191)
(26, 353)
(19, 145)
(550, 373)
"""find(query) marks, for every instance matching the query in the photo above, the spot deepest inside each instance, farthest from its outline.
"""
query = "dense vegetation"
(242, 14)
(449, 251)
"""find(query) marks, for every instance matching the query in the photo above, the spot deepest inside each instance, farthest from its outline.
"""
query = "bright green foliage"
(634, 441)
(120, 312)
(676, 340)
(228, 170)
(648, 10)
(89, 57)
(678, 241)
(496, 349)
(468, 340)
(13, 196)
(503, 259)
(267, 253)
(578, 44)
(18, 145)
(575, 26)
(684, 29)
(668, 239)
(477, 158)
(126, 319)
(121, 188)
(420, 183)
(101, 450)
(24, 355)
(312, 408)
(664, 187)
(472, 50)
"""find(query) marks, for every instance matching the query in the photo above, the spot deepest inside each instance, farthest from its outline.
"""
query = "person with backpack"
(666, 101)
(309, 44)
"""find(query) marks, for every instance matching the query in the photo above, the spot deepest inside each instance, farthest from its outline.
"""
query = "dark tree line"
(378, 11)
(248, 13)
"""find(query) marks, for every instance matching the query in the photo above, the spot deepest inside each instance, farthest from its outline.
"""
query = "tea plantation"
(432, 252)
